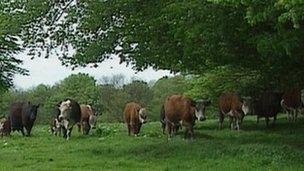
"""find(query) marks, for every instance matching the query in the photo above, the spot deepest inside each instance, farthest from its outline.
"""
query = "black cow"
(267, 105)
(70, 114)
(23, 115)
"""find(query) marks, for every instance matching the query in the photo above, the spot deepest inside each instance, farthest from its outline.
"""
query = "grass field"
(255, 147)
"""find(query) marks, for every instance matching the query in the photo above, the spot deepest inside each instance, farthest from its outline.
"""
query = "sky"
(50, 71)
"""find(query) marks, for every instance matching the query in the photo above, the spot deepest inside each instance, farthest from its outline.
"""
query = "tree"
(188, 36)
(138, 91)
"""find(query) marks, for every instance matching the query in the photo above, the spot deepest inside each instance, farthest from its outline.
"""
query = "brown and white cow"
(88, 119)
(230, 105)
(292, 104)
(5, 126)
(265, 104)
(70, 114)
(180, 108)
(134, 116)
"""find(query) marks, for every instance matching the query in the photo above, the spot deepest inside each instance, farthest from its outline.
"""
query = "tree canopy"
(182, 36)
(194, 37)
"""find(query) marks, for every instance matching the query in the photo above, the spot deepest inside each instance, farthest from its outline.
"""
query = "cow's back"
(85, 113)
(267, 104)
(225, 102)
(178, 107)
(292, 98)
(229, 101)
(131, 112)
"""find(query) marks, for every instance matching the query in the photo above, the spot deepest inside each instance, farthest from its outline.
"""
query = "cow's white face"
(64, 109)
(142, 115)
(200, 109)
(246, 106)
(1, 126)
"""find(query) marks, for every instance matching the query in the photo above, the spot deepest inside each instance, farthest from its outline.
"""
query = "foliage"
(189, 36)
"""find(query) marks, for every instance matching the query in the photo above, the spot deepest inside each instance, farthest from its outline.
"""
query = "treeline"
(107, 96)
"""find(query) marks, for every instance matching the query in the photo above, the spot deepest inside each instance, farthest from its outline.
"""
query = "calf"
(5, 127)
(88, 119)
(292, 104)
(230, 105)
(55, 127)
(134, 116)
(266, 104)
(23, 115)
(70, 114)
(180, 108)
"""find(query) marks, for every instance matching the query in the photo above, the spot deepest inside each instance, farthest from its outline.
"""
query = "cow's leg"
(231, 120)
(267, 121)
(274, 120)
(22, 131)
(69, 131)
(237, 126)
(296, 115)
(80, 127)
(258, 119)
(191, 132)
(169, 129)
(129, 129)
(28, 130)
(64, 131)
(221, 120)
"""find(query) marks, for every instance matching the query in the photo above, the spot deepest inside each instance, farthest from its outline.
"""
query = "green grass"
(255, 147)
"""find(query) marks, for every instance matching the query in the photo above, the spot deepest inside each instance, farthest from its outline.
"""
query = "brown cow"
(134, 116)
(176, 127)
(5, 126)
(88, 119)
(292, 104)
(180, 108)
(230, 105)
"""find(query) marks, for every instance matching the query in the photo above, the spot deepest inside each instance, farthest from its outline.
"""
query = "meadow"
(254, 147)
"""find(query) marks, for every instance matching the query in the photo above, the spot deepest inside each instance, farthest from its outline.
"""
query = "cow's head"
(142, 115)
(64, 108)
(33, 109)
(246, 105)
(200, 106)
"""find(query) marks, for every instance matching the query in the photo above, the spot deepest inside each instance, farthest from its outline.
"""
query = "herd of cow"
(177, 111)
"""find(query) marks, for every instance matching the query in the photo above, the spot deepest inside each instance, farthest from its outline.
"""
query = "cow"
(55, 127)
(230, 105)
(88, 119)
(55, 124)
(179, 108)
(70, 114)
(23, 115)
(292, 104)
(134, 116)
(266, 104)
(5, 126)
(176, 127)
